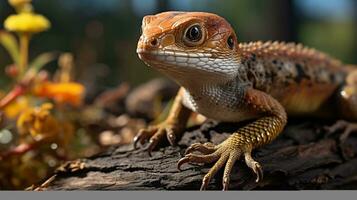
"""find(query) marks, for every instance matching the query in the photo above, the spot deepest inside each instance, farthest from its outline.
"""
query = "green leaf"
(41, 60)
(11, 45)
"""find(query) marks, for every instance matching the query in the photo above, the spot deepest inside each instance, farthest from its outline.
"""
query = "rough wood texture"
(301, 158)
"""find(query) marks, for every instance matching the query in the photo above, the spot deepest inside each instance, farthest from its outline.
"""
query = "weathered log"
(303, 157)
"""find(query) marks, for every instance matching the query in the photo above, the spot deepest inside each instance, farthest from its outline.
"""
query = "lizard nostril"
(154, 42)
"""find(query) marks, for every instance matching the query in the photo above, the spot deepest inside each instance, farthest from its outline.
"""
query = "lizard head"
(189, 45)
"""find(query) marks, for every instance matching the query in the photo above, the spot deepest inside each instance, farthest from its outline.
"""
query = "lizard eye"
(193, 35)
(230, 42)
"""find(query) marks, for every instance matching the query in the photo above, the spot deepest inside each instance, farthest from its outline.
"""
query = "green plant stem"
(24, 52)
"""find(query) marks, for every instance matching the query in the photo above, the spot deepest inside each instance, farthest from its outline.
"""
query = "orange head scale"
(182, 44)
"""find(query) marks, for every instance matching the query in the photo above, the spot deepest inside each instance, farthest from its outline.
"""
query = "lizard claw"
(181, 162)
(226, 153)
(348, 127)
(254, 165)
(171, 137)
(151, 146)
(195, 158)
(135, 142)
(205, 148)
(143, 136)
(154, 140)
(155, 134)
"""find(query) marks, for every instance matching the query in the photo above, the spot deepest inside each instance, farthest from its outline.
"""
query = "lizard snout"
(146, 44)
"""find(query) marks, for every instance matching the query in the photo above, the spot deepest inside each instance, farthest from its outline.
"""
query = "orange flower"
(69, 92)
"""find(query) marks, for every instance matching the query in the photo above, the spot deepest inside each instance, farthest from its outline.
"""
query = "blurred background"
(120, 98)
(102, 34)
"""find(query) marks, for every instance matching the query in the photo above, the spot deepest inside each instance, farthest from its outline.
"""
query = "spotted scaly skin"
(222, 79)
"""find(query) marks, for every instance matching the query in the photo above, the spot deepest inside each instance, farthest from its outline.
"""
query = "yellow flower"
(41, 124)
(27, 23)
(37, 121)
(69, 92)
(15, 108)
(19, 3)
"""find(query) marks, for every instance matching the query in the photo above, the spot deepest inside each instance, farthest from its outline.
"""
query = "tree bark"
(303, 157)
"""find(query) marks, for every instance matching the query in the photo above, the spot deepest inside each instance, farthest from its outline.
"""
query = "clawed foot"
(226, 154)
(155, 134)
(348, 127)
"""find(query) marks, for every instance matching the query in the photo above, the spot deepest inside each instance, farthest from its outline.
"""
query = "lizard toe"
(142, 136)
(254, 165)
(205, 148)
(233, 157)
(155, 134)
(224, 154)
(155, 139)
(350, 128)
(347, 127)
(197, 158)
(171, 136)
(217, 166)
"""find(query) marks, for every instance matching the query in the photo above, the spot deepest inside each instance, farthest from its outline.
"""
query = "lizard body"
(230, 81)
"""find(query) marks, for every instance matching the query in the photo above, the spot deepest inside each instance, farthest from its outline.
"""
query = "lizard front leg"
(172, 127)
(243, 141)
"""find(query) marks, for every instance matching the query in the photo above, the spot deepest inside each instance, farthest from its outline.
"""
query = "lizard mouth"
(188, 62)
(177, 58)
